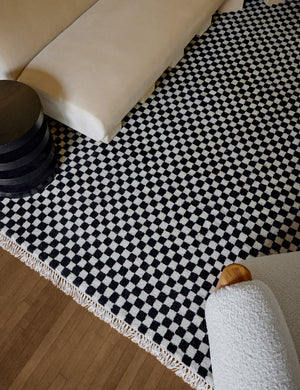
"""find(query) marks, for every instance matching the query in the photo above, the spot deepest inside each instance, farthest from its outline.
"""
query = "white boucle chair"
(253, 326)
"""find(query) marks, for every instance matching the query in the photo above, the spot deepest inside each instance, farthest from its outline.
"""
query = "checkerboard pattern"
(205, 173)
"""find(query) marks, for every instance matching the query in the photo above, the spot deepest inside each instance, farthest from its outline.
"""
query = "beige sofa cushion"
(27, 26)
(90, 76)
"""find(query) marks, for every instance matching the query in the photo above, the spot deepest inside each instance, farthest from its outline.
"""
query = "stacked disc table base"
(27, 154)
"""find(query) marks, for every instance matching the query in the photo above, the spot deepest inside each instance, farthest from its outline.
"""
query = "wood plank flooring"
(49, 342)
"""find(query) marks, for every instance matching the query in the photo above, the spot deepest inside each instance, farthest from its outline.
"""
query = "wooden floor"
(47, 341)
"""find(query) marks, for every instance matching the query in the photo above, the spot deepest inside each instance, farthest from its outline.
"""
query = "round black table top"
(20, 109)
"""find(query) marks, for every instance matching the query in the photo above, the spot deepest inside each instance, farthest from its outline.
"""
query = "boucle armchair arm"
(250, 344)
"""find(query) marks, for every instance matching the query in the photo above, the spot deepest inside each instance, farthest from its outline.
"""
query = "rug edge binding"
(164, 357)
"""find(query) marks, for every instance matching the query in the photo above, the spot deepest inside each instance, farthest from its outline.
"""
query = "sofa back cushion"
(26, 27)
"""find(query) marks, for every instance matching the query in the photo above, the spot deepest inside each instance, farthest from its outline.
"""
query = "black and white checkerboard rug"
(202, 175)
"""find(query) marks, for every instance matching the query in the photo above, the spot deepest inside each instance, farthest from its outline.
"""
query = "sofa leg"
(231, 5)
(271, 2)
(204, 27)
(147, 94)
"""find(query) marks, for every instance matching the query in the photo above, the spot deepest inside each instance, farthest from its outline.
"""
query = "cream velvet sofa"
(92, 61)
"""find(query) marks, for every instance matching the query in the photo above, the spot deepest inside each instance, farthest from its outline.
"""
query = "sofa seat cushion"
(92, 74)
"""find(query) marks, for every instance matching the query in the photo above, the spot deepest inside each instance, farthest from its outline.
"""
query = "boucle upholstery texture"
(281, 273)
(250, 344)
(90, 76)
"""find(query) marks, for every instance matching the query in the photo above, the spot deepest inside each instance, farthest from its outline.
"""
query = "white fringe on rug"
(99, 311)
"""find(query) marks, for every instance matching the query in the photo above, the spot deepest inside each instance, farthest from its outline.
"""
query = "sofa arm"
(26, 27)
(250, 344)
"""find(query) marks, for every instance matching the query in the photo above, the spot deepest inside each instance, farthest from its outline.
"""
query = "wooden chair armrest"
(233, 273)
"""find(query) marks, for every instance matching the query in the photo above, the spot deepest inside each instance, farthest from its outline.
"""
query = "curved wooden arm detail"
(233, 273)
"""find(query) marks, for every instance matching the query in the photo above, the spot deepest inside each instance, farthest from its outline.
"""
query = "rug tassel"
(165, 358)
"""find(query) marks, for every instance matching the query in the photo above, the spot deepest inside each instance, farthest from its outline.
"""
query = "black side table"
(27, 155)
